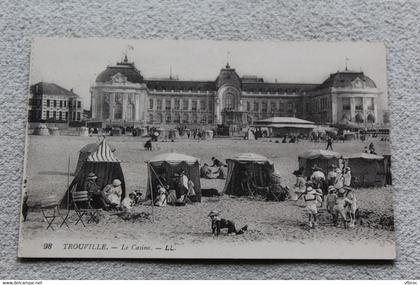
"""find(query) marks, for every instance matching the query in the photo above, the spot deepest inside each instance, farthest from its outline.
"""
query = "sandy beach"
(277, 222)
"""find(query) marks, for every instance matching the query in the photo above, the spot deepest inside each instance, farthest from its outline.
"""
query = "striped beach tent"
(106, 167)
(86, 151)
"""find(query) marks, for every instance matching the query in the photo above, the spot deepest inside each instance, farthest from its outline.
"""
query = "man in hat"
(217, 224)
(312, 197)
(99, 199)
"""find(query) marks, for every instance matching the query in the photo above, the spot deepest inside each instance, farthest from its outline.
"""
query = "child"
(352, 206)
(340, 207)
(217, 224)
(311, 199)
(331, 198)
(128, 202)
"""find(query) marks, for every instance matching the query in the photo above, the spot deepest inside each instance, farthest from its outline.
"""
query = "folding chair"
(248, 189)
(82, 207)
(275, 192)
(50, 210)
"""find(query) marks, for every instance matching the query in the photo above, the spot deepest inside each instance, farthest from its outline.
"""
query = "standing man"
(329, 143)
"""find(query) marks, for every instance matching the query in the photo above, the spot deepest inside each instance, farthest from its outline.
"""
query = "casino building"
(121, 96)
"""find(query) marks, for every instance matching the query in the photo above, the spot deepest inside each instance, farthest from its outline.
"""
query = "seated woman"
(160, 200)
(113, 193)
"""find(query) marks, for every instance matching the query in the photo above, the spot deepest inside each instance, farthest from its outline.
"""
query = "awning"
(363, 155)
(174, 158)
(249, 156)
(281, 126)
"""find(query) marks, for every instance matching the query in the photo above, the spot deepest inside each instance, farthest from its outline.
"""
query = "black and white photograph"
(207, 150)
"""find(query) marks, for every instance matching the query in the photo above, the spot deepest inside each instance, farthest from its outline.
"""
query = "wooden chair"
(50, 210)
(82, 207)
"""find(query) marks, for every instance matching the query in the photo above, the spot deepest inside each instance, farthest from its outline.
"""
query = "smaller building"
(49, 102)
(282, 126)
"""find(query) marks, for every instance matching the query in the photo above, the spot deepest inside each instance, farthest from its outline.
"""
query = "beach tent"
(257, 166)
(165, 165)
(366, 169)
(106, 167)
(322, 158)
(208, 134)
(86, 151)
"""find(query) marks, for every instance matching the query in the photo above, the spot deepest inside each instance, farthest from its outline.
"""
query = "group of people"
(217, 170)
(331, 192)
(177, 192)
(110, 197)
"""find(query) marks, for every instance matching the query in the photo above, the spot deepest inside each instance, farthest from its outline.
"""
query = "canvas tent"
(86, 151)
(242, 165)
(321, 158)
(104, 164)
(366, 169)
(166, 165)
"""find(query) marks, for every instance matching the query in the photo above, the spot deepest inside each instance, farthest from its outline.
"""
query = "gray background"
(394, 22)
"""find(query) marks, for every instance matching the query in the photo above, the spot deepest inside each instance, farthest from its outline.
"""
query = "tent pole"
(68, 184)
(151, 191)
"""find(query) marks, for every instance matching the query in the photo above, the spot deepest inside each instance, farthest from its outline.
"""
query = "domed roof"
(228, 76)
(125, 68)
(343, 79)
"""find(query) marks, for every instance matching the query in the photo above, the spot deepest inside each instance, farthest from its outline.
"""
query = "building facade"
(121, 96)
(49, 102)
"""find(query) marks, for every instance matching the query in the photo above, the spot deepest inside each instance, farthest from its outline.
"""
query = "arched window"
(359, 118)
(371, 118)
(346, 117)
(229, 101)
(150, 119)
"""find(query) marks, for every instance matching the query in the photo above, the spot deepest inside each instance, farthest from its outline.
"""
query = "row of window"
(195, 104)
(358, 103)
(274, 107)
(62, 103)
(62, 116)
(178, 118)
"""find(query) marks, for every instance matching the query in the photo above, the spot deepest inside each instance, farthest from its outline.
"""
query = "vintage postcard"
(207, 149)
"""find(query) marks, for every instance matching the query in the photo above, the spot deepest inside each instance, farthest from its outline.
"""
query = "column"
(124, 105)
(111, 106)
(352, 110)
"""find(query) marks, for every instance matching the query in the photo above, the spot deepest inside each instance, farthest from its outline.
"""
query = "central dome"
(228, 76)
(346, 79)
(125, 68)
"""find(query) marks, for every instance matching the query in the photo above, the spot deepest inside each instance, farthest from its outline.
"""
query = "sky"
(75, 62)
